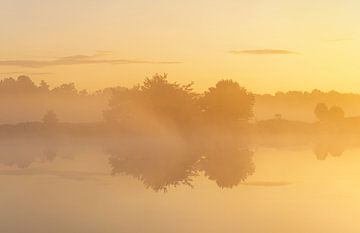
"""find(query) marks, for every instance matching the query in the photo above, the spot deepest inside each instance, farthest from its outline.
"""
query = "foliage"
(333, 114)
(227, 102)
(50, 119)
(179, 106)
(321, 111)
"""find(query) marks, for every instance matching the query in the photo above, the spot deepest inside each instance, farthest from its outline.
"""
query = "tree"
(25, 84)
(321, 111)
(170, 101)
(44, 86)
(278, 116)
(50, 119)
(157, 99)
(227, 102)
(66, 90)
(336, 113)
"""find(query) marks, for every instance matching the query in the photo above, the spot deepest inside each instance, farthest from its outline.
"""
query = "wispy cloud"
(74, 175)
(263, 52)
(339, 39)
(25, 73)
(80, 60)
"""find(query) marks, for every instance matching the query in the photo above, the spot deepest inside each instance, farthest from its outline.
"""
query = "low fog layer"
(21, 100)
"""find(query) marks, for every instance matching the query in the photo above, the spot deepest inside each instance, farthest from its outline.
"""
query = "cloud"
(263, 52)
(26, 73)
(103, 53)
(266, 183)
(338, 39)
(80, 60)
(74, 175)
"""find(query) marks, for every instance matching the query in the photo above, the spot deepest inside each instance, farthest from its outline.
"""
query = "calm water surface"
(84, 188)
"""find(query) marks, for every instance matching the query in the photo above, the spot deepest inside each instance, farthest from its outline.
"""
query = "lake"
(83, 187)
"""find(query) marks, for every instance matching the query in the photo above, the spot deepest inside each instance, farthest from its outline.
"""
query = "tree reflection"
(27, 153)
(330, 146)
(163, 163)
(158, 164)
(227, 165)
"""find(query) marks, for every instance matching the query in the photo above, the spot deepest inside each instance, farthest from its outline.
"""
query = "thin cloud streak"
(79, 60)
(338, 39)
(26, 73)
(75, 175)
(263, 52)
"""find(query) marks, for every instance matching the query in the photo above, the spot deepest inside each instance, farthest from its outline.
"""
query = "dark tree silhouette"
(171, 104)
(333, 114)
(227, 103)
(162, 163)
(336, 113)
(321, 111)
(50, 119)
(25, 84)
(65, 90)
(44, 86)
(278, 116)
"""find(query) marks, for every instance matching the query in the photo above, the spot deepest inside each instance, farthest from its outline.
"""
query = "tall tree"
(166, 102)
(227, 103)
(50, 119)
(321, 111)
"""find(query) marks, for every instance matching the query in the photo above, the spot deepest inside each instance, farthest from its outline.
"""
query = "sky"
(265, 45)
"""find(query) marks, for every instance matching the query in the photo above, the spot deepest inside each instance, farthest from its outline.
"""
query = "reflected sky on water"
(87, 187)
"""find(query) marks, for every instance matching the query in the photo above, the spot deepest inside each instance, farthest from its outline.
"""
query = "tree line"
(157, 97)
(178, 106)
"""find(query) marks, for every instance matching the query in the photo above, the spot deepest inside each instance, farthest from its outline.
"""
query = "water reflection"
(164, 162)
(330, 146)
(227, 162)
(22, 153)
(159, 163)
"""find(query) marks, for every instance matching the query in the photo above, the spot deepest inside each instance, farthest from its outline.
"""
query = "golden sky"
(266, 45)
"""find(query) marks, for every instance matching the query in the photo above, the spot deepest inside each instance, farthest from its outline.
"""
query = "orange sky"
(266, 45)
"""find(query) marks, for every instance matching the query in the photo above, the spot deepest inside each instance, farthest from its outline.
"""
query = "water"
(77, 187)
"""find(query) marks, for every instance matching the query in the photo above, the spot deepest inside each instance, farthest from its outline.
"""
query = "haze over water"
(140, 116)
(72, 188)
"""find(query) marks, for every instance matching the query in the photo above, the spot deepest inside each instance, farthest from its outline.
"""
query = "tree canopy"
(178, 105)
